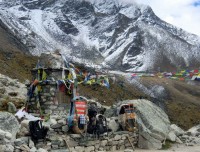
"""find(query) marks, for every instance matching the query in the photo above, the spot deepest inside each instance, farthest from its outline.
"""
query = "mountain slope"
(181, 100)
(15, 60)
(109, 33)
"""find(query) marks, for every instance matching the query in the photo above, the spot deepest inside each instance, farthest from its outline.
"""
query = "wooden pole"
(130, 143)
(67, 144)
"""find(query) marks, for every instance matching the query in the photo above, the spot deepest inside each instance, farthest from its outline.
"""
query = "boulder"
(25, 123)
(72, 143)
(103, 143)
(65, 128)
(23, 132)
(196, 141)
(171, 136)
(177, 130)
(6, 148)
(2, 90)
(4, 80)
(19, 142)
(13, 94)
(79, 149)
(41, 150)
(11, 107)
(178, 140)
(89, 149)
(153, 124)
(50, 122)
(2, 134)
(194, 130)
(75, 136)
(31, 144)
(128, 150)
(117, 137)
(24, 148)
(111, 112)
(8, 136)
(9, 123)
(33, 149)
(148, 142)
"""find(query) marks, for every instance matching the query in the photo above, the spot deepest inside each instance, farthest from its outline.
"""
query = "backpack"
(101, 125)
(97, 125)
(92, 110)
(37, 131)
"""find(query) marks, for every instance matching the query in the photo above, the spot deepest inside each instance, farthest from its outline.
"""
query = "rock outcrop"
(12, 94)
(12, 87)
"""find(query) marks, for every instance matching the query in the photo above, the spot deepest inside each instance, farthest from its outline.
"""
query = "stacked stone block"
(112, 142)
(48, 102)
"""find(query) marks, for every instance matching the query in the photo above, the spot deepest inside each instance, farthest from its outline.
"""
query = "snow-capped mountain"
(111, 33)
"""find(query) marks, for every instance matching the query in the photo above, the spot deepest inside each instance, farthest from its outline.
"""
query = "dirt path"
(174, 148)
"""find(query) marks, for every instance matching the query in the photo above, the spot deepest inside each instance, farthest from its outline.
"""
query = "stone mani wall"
(112, 142)
(58, 133)
(55, 142)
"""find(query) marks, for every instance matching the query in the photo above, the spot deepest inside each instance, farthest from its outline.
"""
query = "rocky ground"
(174, 148)
(154, 132)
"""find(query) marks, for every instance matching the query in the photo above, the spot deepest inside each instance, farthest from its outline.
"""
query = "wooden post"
(130, 143)
(67, 144)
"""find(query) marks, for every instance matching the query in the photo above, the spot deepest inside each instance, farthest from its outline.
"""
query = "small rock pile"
(6, 141)
(24, 144)
(191, 137)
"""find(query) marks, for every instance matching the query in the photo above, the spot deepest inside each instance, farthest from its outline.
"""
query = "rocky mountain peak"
(108, 33)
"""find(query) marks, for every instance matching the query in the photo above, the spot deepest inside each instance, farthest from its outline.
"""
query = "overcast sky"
(182, 13)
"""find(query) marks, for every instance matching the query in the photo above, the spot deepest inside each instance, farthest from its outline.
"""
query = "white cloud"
(181, 13)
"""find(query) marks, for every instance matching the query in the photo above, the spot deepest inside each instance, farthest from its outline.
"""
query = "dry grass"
(118, 91)
(14, 58)
(182, 101)
(16, 101)
(17, 67)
